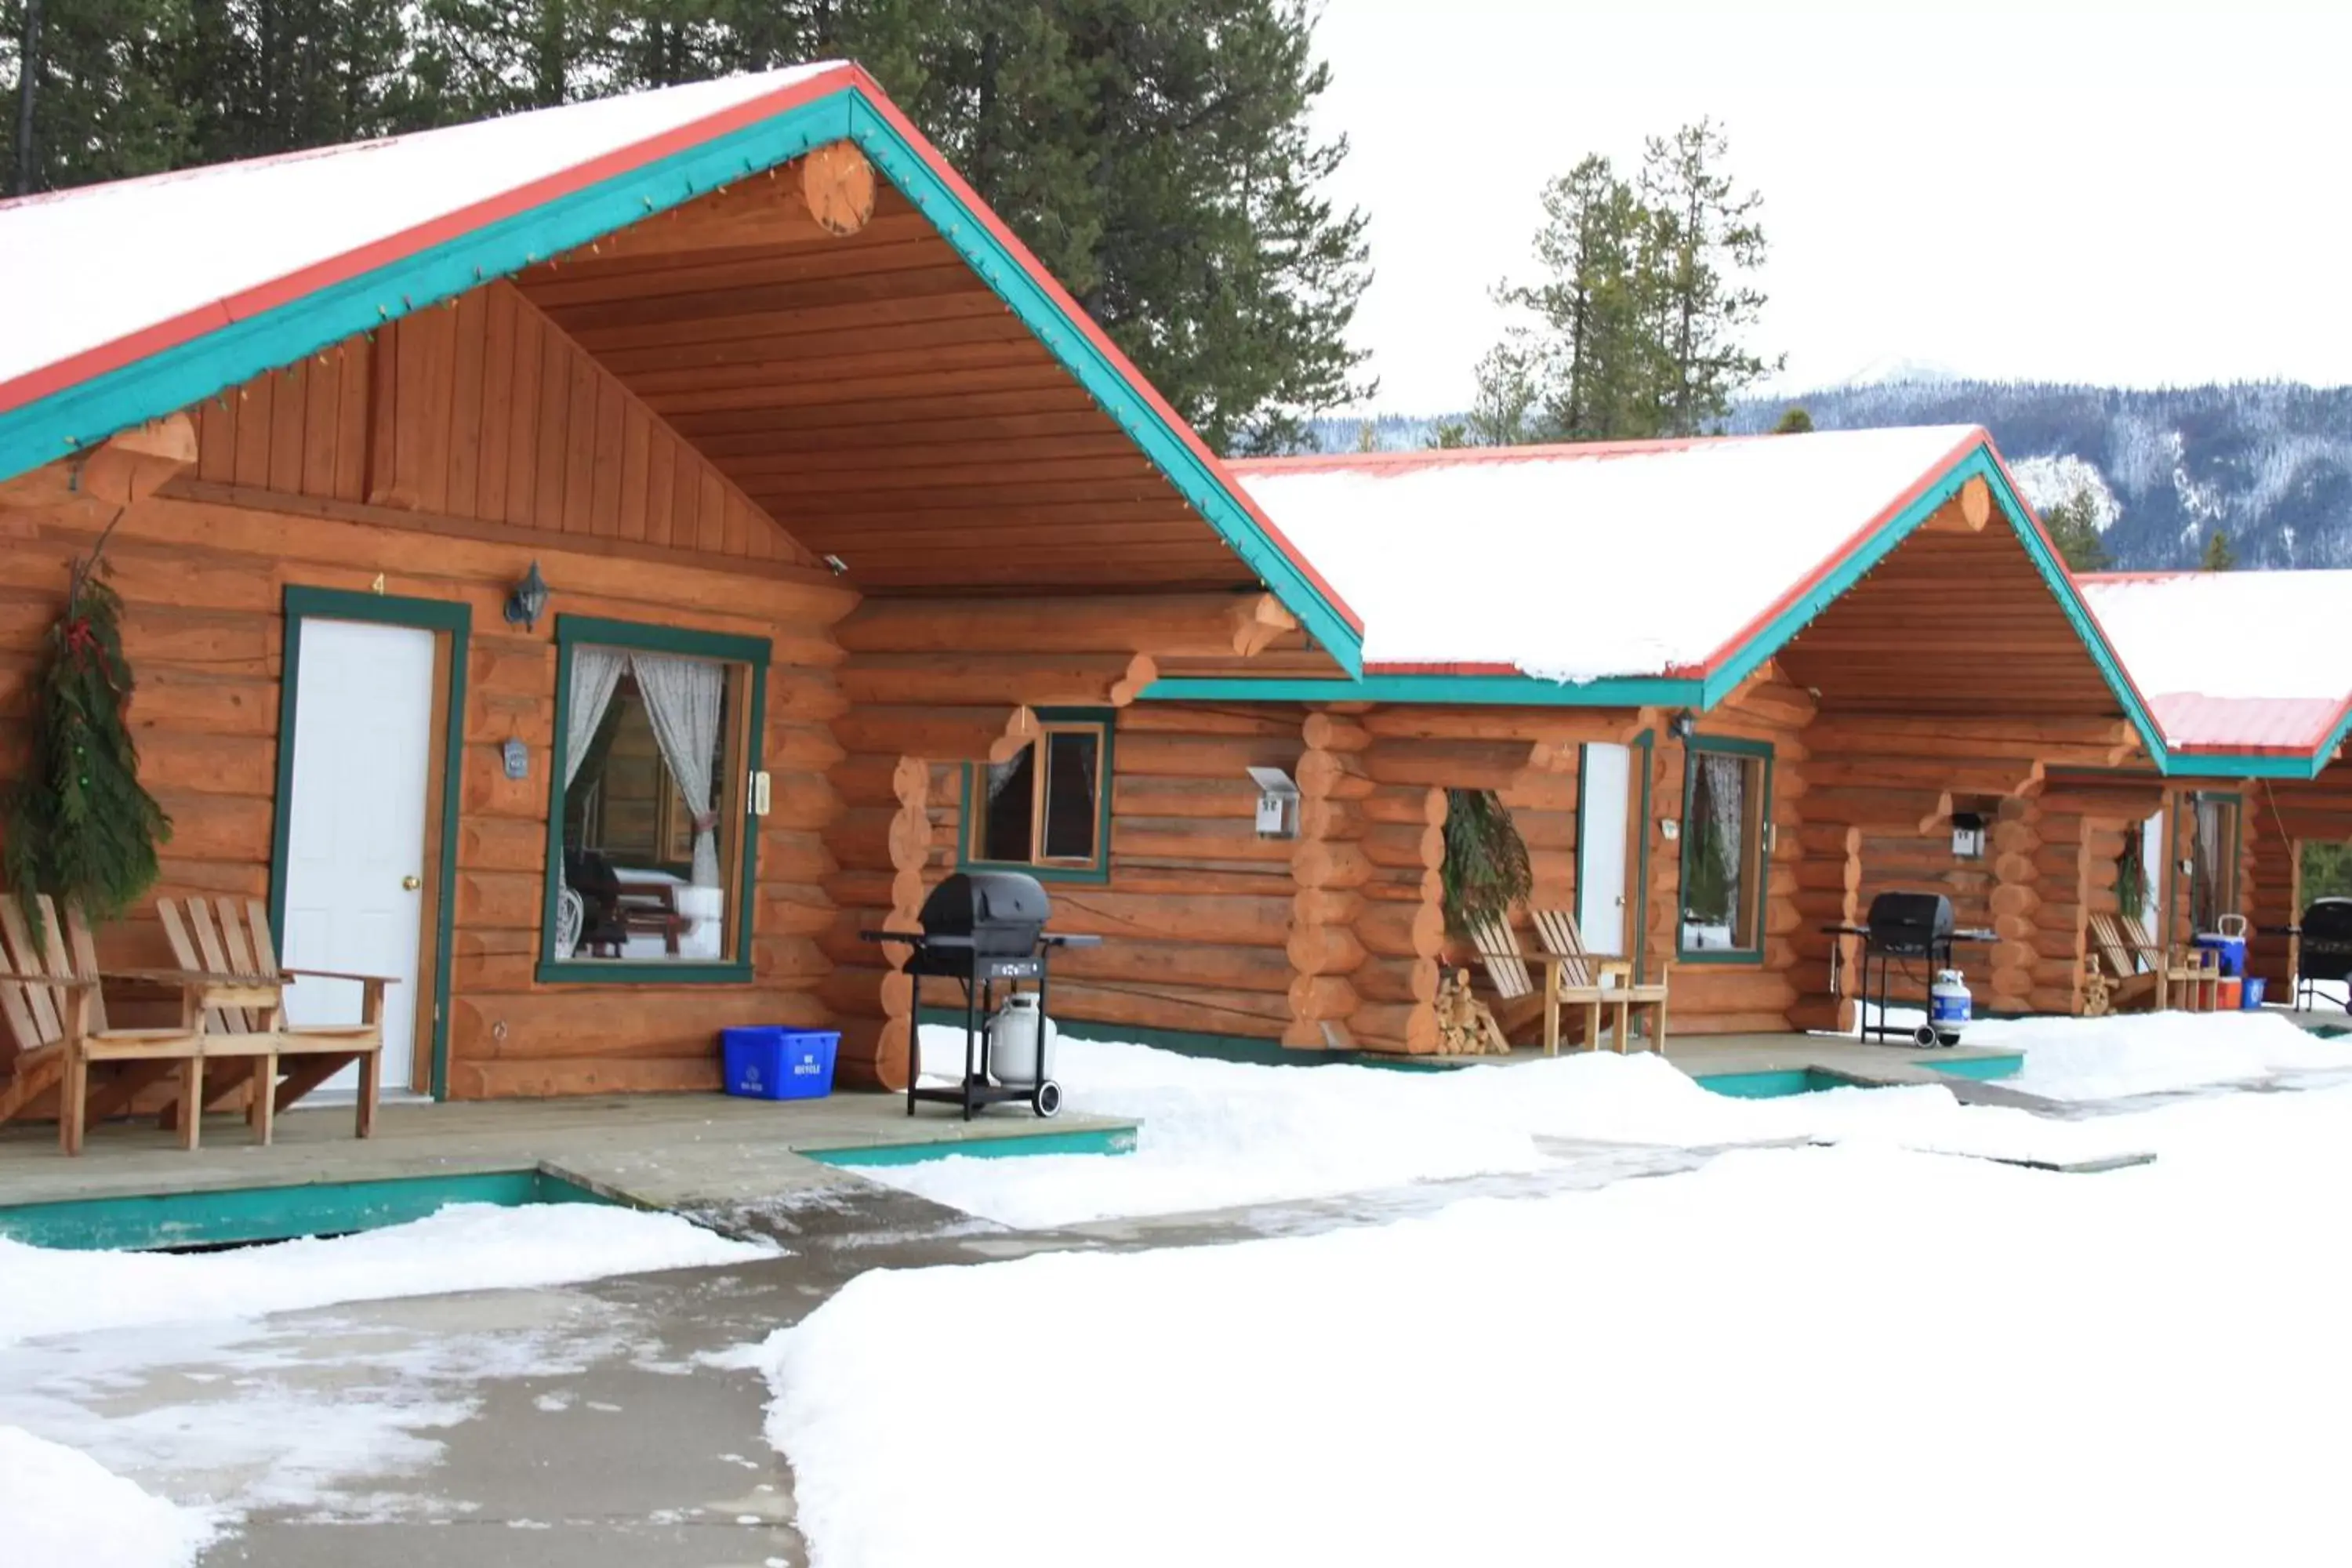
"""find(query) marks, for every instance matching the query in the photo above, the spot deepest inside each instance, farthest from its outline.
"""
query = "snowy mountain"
(2268, 463)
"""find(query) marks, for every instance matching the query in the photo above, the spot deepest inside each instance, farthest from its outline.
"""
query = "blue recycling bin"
(779, 1064)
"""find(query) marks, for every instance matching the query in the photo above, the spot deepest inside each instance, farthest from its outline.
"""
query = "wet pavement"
(597, 1424)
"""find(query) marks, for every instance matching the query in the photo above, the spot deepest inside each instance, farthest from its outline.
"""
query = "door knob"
(410, 883)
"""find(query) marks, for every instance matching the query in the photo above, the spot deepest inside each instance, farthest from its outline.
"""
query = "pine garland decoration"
(1485, 869)
(79, 826)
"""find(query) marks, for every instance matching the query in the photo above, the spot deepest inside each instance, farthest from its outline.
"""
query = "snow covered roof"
(101, 272)
(122, 302)
(1582, 562)
(2252, 662)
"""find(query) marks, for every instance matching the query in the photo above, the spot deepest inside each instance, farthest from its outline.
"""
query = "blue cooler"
(779, 1064)
(2229, 944)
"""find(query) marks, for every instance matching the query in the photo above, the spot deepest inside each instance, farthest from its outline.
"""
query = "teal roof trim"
(1709, 692)
(187, 373)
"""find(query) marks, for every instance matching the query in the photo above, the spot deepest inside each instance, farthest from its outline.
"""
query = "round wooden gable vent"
(839, 185)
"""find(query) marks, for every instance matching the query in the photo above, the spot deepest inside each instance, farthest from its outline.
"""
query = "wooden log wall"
(1882, 792)
(202, 580)
(931, 685)
(2098, 818)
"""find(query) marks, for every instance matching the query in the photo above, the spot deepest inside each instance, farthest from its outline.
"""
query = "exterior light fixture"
(1683, 725)
(1968, 835)
(527, 601)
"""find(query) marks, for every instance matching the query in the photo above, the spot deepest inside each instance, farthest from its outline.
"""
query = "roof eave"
(66, 407)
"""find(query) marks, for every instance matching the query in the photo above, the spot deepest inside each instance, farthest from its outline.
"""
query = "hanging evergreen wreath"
(79, 826)
(1485, 871)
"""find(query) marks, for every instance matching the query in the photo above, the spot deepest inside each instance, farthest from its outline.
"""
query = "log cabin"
(562, 556)
(599, 561)
(2250, 680)
(1729, 689)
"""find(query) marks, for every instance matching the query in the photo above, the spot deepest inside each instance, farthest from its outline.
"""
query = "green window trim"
(454, 620)
(1097, 872)
(1725, 745)
(572, 632)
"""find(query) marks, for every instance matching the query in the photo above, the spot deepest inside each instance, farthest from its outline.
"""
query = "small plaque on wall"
(517, 758)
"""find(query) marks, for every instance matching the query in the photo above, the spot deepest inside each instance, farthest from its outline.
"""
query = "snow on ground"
(1224, 1134)
(2153, 1053)
(1857, 1354)
(464, 1246)
(61, 1506)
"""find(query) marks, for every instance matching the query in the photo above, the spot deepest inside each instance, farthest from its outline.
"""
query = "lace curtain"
(683, 698)
(1726, 778)
(595, 676)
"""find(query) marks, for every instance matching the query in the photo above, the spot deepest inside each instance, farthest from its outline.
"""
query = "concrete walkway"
(676, 1150)
(573, 1427)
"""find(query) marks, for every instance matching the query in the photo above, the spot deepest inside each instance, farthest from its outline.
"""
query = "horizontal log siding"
(204, 582)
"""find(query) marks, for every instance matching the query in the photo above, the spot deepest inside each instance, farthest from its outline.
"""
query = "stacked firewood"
(1466, 1025)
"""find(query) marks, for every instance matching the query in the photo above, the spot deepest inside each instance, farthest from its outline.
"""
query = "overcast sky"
(2108, 193)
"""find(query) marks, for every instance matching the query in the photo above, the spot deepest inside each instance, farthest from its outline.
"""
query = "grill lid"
(2328, 920)
(1001, 912)
(1910, 923)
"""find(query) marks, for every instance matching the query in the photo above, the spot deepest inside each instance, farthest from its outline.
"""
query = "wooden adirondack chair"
(233, 935)
(1594, 981)
(50, 995)
(1569, 980)
(2143, 973)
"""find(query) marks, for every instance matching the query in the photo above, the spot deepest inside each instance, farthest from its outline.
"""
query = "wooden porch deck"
(684, 1151)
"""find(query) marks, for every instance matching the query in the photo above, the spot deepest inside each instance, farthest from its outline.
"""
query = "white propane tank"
(1949, 1006)
(1013, 1050)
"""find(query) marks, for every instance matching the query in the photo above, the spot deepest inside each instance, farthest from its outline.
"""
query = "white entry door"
(355, 850)
(1604, 797)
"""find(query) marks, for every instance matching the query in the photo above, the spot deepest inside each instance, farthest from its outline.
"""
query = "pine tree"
(2219, 556)
(2073, 527)
(99, 96)
(1640, 315)
(1592, 361)
(1795, 421)
(1510, 389)
(1703, 238)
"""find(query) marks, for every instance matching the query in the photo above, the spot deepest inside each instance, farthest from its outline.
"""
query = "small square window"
(1044, 807)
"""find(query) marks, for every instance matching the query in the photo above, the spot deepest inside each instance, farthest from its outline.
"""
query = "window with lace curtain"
(1726, 805)
(651, 840)
(1047, 810)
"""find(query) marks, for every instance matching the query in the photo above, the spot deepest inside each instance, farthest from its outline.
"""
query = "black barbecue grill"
(1906, 928)
(2324, 949)
(983, 929)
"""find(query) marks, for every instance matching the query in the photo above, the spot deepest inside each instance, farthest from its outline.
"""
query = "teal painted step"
(1979, 1067)
(1072, 1141)
(231, 1216)
(1773, 1083)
